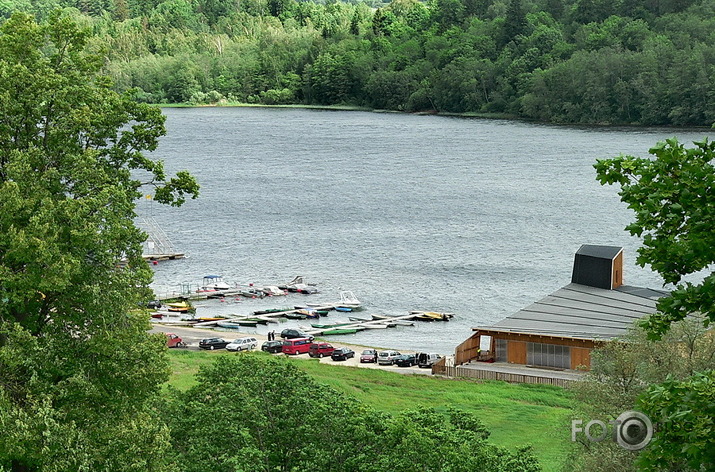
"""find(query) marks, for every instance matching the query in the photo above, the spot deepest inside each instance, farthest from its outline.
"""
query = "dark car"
(368, 355)
(294, 333)
(342, 354)
(272, 346)
(213, 343)
(406, 360)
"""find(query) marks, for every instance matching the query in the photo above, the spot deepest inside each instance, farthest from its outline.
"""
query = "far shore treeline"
(640, 62)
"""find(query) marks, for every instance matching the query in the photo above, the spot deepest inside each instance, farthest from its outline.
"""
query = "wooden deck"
(508, 373)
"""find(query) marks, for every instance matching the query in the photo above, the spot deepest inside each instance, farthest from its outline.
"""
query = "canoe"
(380, 317)
(329, 326)
(271, 310)
(343, 308)
(295, 316)
(353, 318)
(342, 331)
(233, 324)
(374, 326)
(431, 316)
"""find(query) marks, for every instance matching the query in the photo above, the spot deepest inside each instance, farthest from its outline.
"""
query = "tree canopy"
(572, 61)
(71, 272)
(674, 204)
(259, 413)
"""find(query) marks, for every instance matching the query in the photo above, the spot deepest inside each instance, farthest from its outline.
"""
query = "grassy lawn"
(516, 414)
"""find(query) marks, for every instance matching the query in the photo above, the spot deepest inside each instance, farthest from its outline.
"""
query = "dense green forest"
(646, 62)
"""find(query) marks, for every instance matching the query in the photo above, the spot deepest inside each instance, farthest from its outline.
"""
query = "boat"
(353, 318)
(273, 291)
(295, 316)
(402, 323)
(343, 308)
(308, 313)
(180, 307)
(204, 319)
(272, 310)
(329, 326)
(213, 283)
(252, 293)
(341, 331)
(298, 285)
(431, 316)
(380, 317)
(235, 324)
(348, 300)
(375, 326)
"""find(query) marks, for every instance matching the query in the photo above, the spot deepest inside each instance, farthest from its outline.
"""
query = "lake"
(475, 217)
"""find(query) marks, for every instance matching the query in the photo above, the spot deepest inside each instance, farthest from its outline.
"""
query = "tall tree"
(78, 370)
(673, 198)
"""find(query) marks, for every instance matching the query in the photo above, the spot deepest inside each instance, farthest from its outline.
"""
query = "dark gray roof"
(581, 311)
(601, 252)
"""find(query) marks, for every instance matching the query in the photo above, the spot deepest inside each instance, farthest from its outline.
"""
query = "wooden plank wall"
(580, 357)
(462, 372)
(516, 352)
(617, 275)
(468, 350)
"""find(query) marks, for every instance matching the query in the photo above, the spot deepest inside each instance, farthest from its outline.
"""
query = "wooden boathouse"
(559, 331)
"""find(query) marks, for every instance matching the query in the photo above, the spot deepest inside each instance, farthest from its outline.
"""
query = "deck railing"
(465, 372)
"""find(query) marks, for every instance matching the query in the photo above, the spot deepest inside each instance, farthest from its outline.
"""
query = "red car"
(368, 355)
(173, 340)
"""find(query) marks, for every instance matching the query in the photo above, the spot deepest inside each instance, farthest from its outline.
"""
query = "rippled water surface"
(475, 217)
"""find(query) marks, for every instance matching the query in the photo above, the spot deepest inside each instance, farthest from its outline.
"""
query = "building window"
(500, 347)
(548, 355)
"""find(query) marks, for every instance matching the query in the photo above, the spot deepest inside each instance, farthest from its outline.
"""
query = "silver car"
(387, 357)
(242, 344)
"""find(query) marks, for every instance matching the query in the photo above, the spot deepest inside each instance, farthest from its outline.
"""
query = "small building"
(560, 330)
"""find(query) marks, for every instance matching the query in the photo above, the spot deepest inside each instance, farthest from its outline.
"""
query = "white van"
(242, 344)
(426, 359)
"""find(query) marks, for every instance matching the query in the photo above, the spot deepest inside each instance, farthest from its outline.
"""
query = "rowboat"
(343, 308)
(353, 318)
(375, 326)
(295, 316)
(308, 313)
(235, 324)
(431, 316)
(180, 307)
(272, 310)
(329, 326)
(342, 331)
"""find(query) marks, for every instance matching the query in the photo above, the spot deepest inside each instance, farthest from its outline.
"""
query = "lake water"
(470, 216)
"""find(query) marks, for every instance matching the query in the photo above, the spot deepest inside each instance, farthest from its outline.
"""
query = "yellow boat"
(181, 307)
(431, 316)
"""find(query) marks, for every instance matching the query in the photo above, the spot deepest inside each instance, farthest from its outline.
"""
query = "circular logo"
(634, 430)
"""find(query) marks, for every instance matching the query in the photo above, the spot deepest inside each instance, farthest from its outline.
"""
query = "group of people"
(271, 335)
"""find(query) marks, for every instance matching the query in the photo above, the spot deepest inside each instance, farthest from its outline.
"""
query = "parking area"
(192, 336)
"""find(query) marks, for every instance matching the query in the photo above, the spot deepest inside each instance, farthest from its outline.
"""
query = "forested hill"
(647, 62)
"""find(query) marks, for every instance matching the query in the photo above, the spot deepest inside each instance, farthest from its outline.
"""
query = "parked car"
(342, 354)
(387, 357)
(296, 346)
(153, 304)
(272, 346)
(320, 349)
(368, 355)
(294, 333)
(242, 344)
(426, 359)
(406, 360)
(213, 343)
(173, 340)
